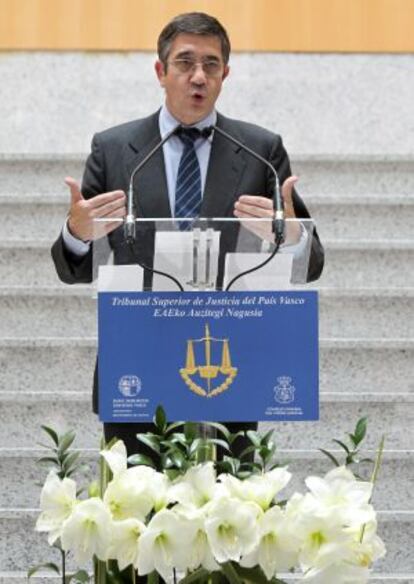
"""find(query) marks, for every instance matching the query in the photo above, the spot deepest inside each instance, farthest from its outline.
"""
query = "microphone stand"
(130, 225)
(278, 223)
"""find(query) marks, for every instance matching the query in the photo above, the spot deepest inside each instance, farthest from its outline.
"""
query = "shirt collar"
(167, 122)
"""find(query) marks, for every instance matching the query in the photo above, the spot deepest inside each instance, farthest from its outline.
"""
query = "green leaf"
(233, 437)
(79, 577)
(160, 419)
(153, 578)
(173, 426)
(66, 441)
(51, 433)
(138, 459)
(175, 439)
(150, 440)
(230, 573)
(48, 459)
(198, 574)
(282, 464)
(70, 459)
(330, 456)
(190, 431)
(267, 436)
(247, 451)
(172, 473)
(266, 452)
(254, 438)
(350, 459)
(47, 566)
(222, 429)
(220, 443)
(342, 445)
(255, 574)
(360, 430)
(196, 445)
(177, 459)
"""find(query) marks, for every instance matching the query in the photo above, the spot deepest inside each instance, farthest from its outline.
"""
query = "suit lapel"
(150, 184)
(225, 169)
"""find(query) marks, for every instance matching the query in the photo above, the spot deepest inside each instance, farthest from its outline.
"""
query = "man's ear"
(159, 70)
(226, 72)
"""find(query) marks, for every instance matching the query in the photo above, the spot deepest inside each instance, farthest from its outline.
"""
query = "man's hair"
(192, 23)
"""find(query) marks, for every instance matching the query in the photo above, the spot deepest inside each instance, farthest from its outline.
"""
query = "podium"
(210, 318)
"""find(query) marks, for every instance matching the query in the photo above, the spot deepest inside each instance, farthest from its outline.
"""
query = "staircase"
(364, 207)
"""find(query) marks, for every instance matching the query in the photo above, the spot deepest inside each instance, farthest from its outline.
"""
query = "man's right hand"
(82, 212)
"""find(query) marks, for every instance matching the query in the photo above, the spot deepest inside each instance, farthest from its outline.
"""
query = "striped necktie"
(188, 186)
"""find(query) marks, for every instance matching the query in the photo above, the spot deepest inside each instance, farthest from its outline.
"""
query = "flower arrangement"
(189, 521)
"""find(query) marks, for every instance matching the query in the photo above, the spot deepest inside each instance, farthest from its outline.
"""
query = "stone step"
(22, 413)
(49, 364)
(348, 264)
(350, 175)
(25, 547)
(393, 490)
(346, 175)
(372, 217)
(33, 218)
(388, 216)
(70, 311)
(66, 364)
(39, 175)
(368, 264)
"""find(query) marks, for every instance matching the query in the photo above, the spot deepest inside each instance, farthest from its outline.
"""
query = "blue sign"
(208, 356)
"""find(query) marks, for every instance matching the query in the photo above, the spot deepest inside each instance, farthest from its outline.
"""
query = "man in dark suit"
(193, 51)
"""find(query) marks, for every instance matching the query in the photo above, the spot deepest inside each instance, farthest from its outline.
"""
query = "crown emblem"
(200, 378)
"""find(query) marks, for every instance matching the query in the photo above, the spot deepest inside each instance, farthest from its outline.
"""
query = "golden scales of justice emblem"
(208, 371)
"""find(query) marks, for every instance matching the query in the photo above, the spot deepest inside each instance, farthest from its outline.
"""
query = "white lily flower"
(340, 489)
(87, 532)
(159, 488)
(278, 547)
(371, 548)
(261, 489)
(164, 545)
(340, 573)
(323, 540)
(197, 487)
(130, 494)
(124, 544)
(57, 500)
(232, 528)
(116, 458)
(199, 552)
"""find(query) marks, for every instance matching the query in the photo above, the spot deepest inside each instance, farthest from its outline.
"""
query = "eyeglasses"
(210, 67)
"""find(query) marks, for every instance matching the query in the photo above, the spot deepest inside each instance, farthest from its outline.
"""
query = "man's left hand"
(254, 207)
(257, 207)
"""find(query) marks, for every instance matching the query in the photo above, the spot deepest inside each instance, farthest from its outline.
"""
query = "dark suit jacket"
(231, 172)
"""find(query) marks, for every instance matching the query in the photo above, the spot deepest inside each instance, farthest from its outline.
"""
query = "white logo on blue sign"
(129, 385)
(284, 390)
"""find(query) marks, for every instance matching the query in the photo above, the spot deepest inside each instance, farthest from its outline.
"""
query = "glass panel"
(202, 254)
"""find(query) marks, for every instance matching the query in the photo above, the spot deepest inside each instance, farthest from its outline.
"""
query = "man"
(193, 56)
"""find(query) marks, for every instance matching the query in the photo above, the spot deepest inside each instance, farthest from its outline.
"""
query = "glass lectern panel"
(202, 254)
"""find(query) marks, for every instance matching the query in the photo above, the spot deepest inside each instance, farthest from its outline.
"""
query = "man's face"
(191, 95)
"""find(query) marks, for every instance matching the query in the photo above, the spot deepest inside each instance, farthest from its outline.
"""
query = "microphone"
(278, 221)
(129, 225)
